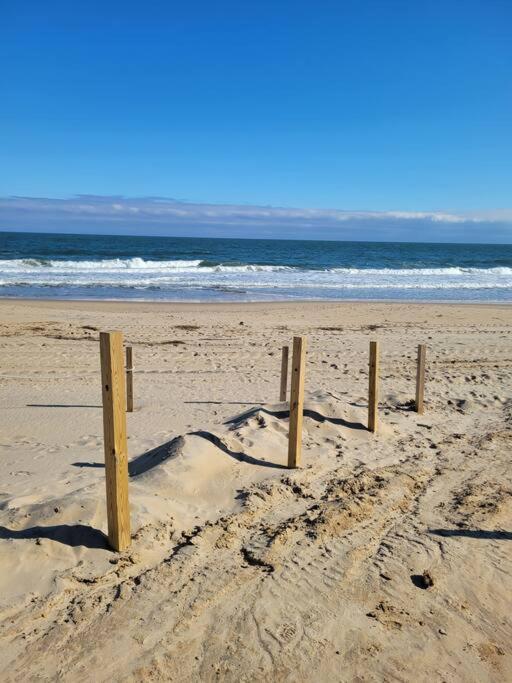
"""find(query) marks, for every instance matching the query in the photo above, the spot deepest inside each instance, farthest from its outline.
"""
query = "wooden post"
(284, 373)
(114, 431)
(129, 379)
(373, 388)
(420, 378)
(296, 401)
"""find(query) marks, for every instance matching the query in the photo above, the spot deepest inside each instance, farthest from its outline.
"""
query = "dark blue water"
(167, 268)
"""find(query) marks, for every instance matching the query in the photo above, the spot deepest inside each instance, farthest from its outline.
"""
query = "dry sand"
(239, 569)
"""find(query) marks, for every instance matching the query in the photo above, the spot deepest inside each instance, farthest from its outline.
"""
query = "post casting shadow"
(241, 457)
(73, 535)
(59, 405)
(88, 464)
(308, 412)
(226, 403)
(146, 461)
(166, 451)
(474, 533)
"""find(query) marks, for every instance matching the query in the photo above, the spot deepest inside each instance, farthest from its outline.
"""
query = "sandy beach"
(241, 569)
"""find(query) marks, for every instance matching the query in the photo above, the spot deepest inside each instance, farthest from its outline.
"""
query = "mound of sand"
(384, 557)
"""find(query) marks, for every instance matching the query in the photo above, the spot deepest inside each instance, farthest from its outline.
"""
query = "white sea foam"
(177, 274)
(135, 263)
(455, 270)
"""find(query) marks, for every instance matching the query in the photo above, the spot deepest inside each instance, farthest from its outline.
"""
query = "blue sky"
(355, 106)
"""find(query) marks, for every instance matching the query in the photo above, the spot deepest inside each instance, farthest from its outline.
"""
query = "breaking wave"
(139, 273)
(31, 265)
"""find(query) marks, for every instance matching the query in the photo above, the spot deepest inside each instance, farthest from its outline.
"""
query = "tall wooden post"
(114, 431)
(420, 378)
(373, 387)
(284, 373)
(129, 379)
(296, 401)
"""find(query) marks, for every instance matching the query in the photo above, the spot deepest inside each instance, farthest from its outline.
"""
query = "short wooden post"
(129, 379)
(420, 378)
(284, 373)
(114, 431)
(373, 388)
(296, 401)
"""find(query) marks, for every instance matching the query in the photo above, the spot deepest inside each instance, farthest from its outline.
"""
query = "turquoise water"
(194, 269)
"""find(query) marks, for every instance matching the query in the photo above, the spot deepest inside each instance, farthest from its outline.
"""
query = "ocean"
(196, 269)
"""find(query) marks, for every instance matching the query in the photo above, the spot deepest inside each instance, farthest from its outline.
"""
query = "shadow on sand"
(226, 403)
(59, 405)
(146, 461)
(308, 412)
(474, 533)
(73, 535)
(241, 457)
(166, 451)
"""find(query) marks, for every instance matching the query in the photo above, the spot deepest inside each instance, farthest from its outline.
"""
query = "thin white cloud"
(161, 215)
(156, 207)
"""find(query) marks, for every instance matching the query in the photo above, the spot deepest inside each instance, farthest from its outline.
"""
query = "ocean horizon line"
(39, 233)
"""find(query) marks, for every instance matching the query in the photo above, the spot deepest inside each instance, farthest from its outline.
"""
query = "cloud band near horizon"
(161, 216)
